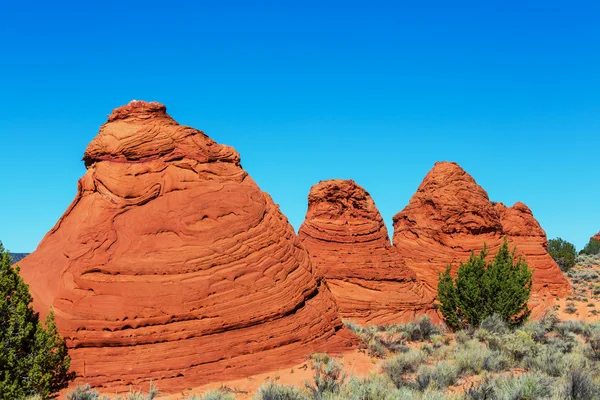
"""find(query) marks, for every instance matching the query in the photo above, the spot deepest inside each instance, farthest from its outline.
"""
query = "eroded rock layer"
(450, 215)
(171, 265)
(350, 247)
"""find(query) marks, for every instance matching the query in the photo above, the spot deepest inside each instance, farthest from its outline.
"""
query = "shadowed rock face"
(172, 265)
(349, 246)
(450, 215)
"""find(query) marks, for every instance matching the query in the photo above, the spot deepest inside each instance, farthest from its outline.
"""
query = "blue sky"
(306, 91)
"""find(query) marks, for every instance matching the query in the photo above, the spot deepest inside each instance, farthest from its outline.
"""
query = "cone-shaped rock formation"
(349, 245)
(172, 265)
(450, 215)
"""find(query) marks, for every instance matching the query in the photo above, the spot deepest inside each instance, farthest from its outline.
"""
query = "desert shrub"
(369, 337)
(519, 344)
(427, 349)
(570, 308)
(576, 360)
(549, 360)
(579, 385)
(33, 356)
(423, 377)
(576, 327)
(274, 391)
(529, 386)
(592, 349)
(216, 394)
(485, 390)
(83, 392)
(394, 344)
(482, 289)
(139, 395)
(376, 348)
(379, 340)
(563, 253)
(592, 247)
(495, 324)
(495, 361)
(418, 331)
(412, 393)
(470, 357)
(437, 378)
(444, 375)
(549, 320)
(564, 343)
(329, 375)
(437, 341)
(371, 388)
(430, 394)
(397, 367)
(462, 337)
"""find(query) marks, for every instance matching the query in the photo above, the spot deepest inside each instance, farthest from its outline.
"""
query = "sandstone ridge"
(450, 215)
(350, 247)
(171, 264)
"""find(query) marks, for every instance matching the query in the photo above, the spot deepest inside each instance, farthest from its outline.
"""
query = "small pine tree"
(481, 289)
(33, 359)
(592, 248)
(563, 253)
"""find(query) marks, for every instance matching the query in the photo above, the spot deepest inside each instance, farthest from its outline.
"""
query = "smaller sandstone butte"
(450, 215)
(349, 246)
(172, 265)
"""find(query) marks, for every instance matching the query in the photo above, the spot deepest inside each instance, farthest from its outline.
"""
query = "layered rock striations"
(450, 215)
(350, 247)
(171, 264)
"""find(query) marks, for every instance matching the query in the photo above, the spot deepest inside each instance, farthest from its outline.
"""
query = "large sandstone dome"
(350, 247)
(171, 264)
(450, 215)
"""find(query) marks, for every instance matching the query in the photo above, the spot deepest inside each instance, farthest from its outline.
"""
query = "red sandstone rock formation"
(597, 236)
(450, 215)
(172, 265)
(349, 245)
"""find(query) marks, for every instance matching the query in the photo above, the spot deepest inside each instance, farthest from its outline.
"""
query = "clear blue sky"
(305, 91)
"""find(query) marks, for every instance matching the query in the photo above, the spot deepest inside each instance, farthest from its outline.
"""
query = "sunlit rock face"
(172, 265)
(350, 247)
(450, 215)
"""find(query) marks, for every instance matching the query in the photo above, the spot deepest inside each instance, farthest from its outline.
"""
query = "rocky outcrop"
(597, 236)
(350, 247)
(450, 215)
(171, 264)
